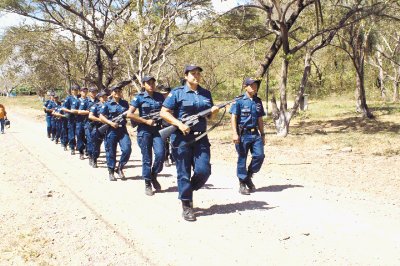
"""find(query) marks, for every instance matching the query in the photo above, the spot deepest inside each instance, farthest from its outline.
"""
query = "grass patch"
(32, 102)
(335, 123)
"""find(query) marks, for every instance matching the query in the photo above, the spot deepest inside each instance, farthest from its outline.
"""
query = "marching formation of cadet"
(171, 129)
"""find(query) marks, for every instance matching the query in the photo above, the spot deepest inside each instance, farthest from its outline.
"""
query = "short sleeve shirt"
(248, 111)
(185, 102)
(112, 109)
(146, 105)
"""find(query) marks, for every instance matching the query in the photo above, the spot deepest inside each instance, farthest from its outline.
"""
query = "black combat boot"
(81, 156)
(187, 213)
(65, 148)
(94, 163)
(155, 183)
(56, 141)
(121, 174)
(111, 174)
(243, 189)
(249, 183)
(147, 189)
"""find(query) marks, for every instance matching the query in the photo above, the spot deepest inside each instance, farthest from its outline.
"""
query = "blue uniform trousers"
(80, 136)
(48, 125)
(96, 142)
(2, 125)
(89, 141)
(254, 144)
(53, 127)
(197, 155)
(58, 128)
(114, 136)
(64, 132)
(149, 141)
(71, 133)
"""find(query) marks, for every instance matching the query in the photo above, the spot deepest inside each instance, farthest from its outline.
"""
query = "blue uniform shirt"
(49, 104)
(95, 109)
(112, 109)
(147, 104)
(86, 104)
(184, 102)
(70, 102)
(248, 111)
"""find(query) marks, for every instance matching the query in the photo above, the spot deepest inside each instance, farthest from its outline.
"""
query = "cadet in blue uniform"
(148, 137)
(62, 125)
(48, 108)
(80, 123)
(94, 125)
(69, 105)
(248, 134)
(117, 133)
(55, 121)
(84, 112)
(181, 102)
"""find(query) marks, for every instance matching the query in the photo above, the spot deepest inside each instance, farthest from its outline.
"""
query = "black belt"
(252, 131)
(193, 133)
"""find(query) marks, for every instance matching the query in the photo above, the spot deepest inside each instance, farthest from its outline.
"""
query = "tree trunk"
(381, 76)
(282, 124)
(396, 90)
(396, 85)
(361, 100)
(282, 89)
(300, 93)
(100, 69)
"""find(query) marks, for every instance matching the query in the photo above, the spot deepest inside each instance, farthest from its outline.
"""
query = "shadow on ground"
(233, 207)
(345, 125)
(276, 188)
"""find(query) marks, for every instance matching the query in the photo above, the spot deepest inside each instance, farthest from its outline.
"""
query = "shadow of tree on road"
(276, 188)
(233, 207)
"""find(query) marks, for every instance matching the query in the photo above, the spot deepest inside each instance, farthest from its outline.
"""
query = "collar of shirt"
(187, 89)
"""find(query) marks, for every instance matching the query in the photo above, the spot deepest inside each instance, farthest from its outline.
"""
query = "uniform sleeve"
(136, 101)
(260, 109)
(171, 101)
(67, 103)
(93, 108)
(211, 99)
(234, 109)
(45, 104)
(104, 110)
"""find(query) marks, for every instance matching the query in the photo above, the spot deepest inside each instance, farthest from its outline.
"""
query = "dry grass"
(332, 122)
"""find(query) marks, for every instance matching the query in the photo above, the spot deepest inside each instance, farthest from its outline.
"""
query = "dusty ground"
(313, 206)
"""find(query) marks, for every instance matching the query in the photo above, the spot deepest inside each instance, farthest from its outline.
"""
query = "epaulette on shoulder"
(177, 88)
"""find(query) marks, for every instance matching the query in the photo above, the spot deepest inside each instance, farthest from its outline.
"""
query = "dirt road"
(312, 208)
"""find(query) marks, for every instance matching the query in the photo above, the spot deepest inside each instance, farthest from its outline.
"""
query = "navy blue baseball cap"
(113, 88)
(75, 87)
(101, 93)
(192, 67)
(147, 78)
(249, 81)
(91, 89)
(84, 88)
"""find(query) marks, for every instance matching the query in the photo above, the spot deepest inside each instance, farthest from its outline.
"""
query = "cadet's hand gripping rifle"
(118, 119)
(193, 119)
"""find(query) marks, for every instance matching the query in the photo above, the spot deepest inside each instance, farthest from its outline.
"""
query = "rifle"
(153, 115)
(118, 119)
(193, 119)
